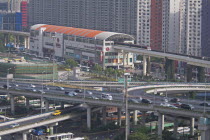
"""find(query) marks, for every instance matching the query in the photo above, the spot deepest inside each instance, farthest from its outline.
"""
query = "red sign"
(107, 49)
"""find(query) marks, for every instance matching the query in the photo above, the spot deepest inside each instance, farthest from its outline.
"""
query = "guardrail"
(106, 83)
(24, 119)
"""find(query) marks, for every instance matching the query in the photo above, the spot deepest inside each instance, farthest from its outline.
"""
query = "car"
(165, 99)
(56, 113)
(15, 85)
(168, 105)
(187, 106)
(175, 100)
(14, 125)
(106, 96)
(46, 87)
(89, 92)
(204, 104)
(78, 90)
(178, 104)
(133, 101)
(59, 88)
(32, 86)
(93, 97)
(32, 89)
(71, 93)
(5, 86)
(146, 101)
(41, 91)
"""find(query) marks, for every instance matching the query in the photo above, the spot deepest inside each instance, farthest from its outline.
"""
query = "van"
(106, 96)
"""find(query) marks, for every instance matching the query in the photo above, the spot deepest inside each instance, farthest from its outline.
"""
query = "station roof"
(102, 35)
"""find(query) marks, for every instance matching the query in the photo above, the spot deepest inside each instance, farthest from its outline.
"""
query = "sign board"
(9, 76)
(122, 80)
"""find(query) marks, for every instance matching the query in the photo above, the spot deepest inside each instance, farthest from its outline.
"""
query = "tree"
(139, 136)
(71, 62)
(97, 68)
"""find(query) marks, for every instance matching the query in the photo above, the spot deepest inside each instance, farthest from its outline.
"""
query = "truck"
(39, 130)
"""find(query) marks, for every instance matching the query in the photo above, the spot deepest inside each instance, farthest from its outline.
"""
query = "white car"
(72, 93)
(106, 96)
(41, 91)
(168, 105)
(89, 92)
(59, 88)
(32, 86)
(32, 89)
(14, 125)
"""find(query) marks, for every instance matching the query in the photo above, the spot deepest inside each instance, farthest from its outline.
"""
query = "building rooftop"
(96, 34)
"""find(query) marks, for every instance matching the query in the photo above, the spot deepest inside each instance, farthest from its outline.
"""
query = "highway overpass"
(188, 59)
(92, 102)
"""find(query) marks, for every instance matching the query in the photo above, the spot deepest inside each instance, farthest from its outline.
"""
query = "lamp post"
(53, 37)
(42, 90)
(127, 116)
(204, 108)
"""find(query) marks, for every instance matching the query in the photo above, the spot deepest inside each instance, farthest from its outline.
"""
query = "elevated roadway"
(92, 102)
(44, 120)
(189, 60)
(27, 34)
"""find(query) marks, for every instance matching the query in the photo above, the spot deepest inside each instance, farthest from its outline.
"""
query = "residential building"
(194, 27)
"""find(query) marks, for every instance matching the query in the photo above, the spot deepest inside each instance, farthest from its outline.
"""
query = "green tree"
(192, 94)
(71, 62)
(140, 57)
(97, 68)
(139, 136)
(2, 47)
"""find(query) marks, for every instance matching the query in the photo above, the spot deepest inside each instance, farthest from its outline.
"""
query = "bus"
(63, 136)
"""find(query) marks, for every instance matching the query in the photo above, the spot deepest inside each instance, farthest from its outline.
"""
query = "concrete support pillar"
(46, 105)
(200, 74)
(104, 115)
(89, 117)
(188, 73)
(5, 39)
(24, 136)
(144, 65)
(18, 40)
(169, 69)
(135, 119)
(175, 128)
(148, 66)
(51, 130)
(42, 103)
(128, 122)
(192, 125)
(25, 42)
(62, 105)
(12, 103)
(143, 118)
(28, 42)
(15, 41)
(124, 60)
(160, 124)
(119, 115)
(27, 104)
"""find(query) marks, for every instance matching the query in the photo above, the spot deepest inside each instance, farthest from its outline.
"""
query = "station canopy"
(96, 34)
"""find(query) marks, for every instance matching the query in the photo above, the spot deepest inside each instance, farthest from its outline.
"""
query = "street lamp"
(53, 37)
(127, 116)
(204, 109)
(42, 90)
